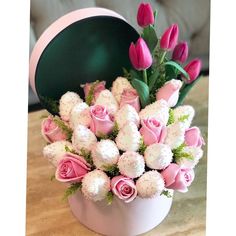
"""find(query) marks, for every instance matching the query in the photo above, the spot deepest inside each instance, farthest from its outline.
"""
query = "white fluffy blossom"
(126, 114)
(150, 184)
(158, 110)
(67, 102)
(128, 138)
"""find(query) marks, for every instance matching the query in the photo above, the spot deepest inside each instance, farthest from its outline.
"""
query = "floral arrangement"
(134, 139)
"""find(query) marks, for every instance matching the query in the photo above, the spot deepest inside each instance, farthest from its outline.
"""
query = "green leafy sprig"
(90, 95)
(112, 170)
(112, 135)
(109, 198)
(179, 153)
(72, 189)
(171, 119)
(142, 147)
(183, 118)
(87, 156)
(166, 193)
(65, 128)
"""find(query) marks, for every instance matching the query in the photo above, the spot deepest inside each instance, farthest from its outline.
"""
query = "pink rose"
(170, 92)
(153, 131)
(177, 178)
(130, 96)
(124, 188)
(51, 132)
(102, 122)
(99, 87)
(71, 168)
(193, 137)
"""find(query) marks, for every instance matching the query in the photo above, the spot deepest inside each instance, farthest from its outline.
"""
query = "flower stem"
(163, 57)
(145, 76)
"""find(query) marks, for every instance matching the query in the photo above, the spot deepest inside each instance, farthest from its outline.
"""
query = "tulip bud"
(193, 69)
(140, 55)
(180, 53)
(145, 15)
(170, 37)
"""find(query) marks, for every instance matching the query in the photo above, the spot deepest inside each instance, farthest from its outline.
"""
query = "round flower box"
(120, 218)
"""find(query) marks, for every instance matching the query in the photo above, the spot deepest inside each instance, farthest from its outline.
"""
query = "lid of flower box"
(83, 46)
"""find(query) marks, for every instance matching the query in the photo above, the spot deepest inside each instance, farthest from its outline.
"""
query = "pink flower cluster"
(127, 140)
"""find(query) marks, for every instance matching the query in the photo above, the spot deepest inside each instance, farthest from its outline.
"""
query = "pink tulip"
(193, 137)
(170, 92)
(51, 132)
(140, 55)
(71, 168)
(130, 96)
(177, 178)
(145, 15)
(193, 69)
(180, 53)
(153, 131)
(169, 38)
(102, 122)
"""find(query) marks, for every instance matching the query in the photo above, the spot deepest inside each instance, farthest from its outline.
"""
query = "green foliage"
(180, 154)
(72, 190)
(90, 96)
(142, 90)
(53, 105)
(152, 79)
(87, 156)
(112, 135)
(178, 67)
(171, 119)
(183, 118)
(142, 147)
(109, 198)
(112, 170)
(150, 37)
(166, 193)
(65, 128)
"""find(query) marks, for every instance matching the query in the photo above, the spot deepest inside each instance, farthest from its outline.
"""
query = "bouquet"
(134, 139)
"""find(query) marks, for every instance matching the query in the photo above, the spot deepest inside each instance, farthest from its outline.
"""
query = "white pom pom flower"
(128, 138)
(118, 86)
(158, 110)
(126, 114)
(83, 138)
(54, 151)
(67, 102)
(131, 164)
(158, 156)
(95, 185)
(150, 184)
(175, 135)
(195, 152)
(105, 153)
(106, 98)
(184, 114)
(80, 115)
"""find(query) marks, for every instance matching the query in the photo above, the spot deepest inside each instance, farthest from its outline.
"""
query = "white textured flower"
(128, 138)
(54, 151)
(95, 185)
(150, 184)
(158, 110)
(131, 164)
(187, 112)
(175, 135)
(83, 138)
(80, 115)
(118, 87)
(196, 154)
(158, 156)
(126, 114)
(105, 153)
(107, 99)
(67, 102)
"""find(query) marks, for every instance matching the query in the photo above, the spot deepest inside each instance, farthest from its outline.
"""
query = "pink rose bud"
(145, 15)
(130, 96)
(169, 38)
(177, 178)
(193, 69)
(170, 92)
(102, 122)
(124, 188)
(180, 53)
(140, 55)
(51, 132)
(153, 131)
(71, 168)
(99, 87)
(193, 137)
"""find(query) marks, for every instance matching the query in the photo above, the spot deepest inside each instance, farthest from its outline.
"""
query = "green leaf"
(109, 198)
(166, 193)
(87, 156)
(171, 119)
(142, 147)
(171, 72)
(186, 89)
(65, 128)
(112, 170)
(152, 79)
(135, 74)
(90, 96)
(72, 189)
(180, 154)
(150, 37)
(155, 13)
(53, 105)
(183, 118)
(178, 67)
(142, 90)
